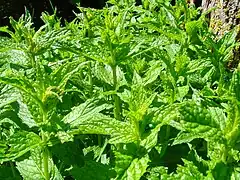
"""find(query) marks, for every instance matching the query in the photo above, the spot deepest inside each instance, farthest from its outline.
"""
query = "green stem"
(61, 166)
(45, 151)
(117, 108)
(12, 168)
(90, 78)
(221, 80)
(224, 154)
(99, 138)
(39, 75)
(45, 162)
(102, 150)
(165, 145)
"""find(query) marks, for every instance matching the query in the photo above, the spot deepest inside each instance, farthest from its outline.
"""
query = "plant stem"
(117, 109)
(45, 151)
(221, 80)
(224, 154)
(45, 163)
(12, 168)
(99, 138)
(90, 78)
(91, 93)
(164, 148)
(102, 149)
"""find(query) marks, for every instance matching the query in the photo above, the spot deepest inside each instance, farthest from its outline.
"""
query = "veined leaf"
(20, 143)
(120, 132)
(235, 85)
(105, 74)
(151, 140)
(5, 133)
(152, 74)
(87, 119)
(29, 93)
(219, 116)
(187, 172)
(122, 162)
(25, 115)
(138, 99)
(197, 122)
(199, 131)
(235, 174)
(191, 112)
(136, 169)
(166, 114)
(32, 168)
(17, 58)
(182, 92)
(83, 112)
(233, 122)
(21, 83)
(156, 173)
(93, 170)
(63, 74)
(8, 95)
(34, 106)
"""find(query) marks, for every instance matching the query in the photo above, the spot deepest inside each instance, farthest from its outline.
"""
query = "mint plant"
(126, 92)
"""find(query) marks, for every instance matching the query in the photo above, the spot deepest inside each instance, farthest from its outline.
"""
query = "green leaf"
(152, 74)
(182, 92)
(61, 75)
(166, 114)
(87, 119)
(20, 143)
(235, 85)
(34, 106)
(235, 174)
(222, 171)
(157, 173)
(151, 140)
(197, 122)
(64, 136)
(232, 123)
(92, 170)
(120, 132)
(192, 112)
(32, 168)
(219, 116)
(83, 112)
(207, 91)
(8, 95)
(136, 169)
(95, 149)
(105, 74)
(138, 99)
(25, 115)
(187, 172)
(29, 93)
(198, 131)
(122, 162)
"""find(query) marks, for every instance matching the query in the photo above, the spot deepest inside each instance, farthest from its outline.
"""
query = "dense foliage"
(127, 92)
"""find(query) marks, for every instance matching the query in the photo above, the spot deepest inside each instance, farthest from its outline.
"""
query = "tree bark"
(225, 17)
